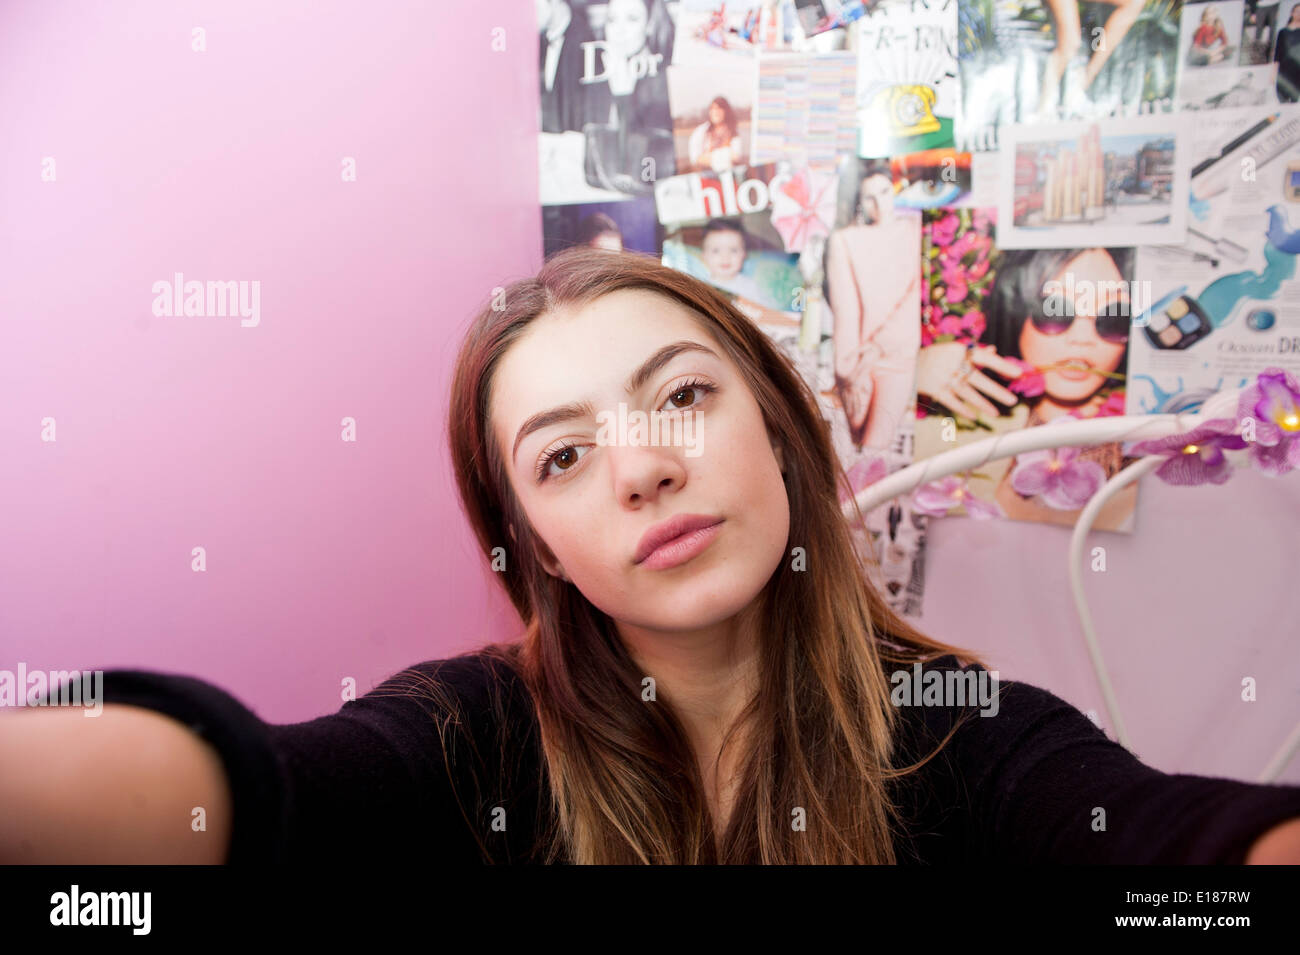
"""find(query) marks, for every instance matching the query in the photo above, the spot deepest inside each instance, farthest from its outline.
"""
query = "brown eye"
(692, 388)
(675, 396)
(565, 457)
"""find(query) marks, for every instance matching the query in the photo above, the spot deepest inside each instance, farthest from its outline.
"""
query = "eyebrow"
(638, 378)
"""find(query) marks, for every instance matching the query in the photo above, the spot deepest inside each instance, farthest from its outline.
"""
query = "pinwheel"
(803, 207)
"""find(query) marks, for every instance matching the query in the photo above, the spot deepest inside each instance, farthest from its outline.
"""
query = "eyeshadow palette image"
(1179, 324)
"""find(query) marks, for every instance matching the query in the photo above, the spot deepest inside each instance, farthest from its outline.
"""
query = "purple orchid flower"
(1273, 404)
(1195, 457)
(1064, 481)
(939, 497)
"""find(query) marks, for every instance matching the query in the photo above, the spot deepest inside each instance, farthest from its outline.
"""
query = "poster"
(1225, 305)
(933, 178)
(606, 130)
(807, 107)
(1225, 56)
(1029, 61)
(624, 224)
(1013, 339)
(729, 230)
(908, 86)
(872, 288)
(1100, 182)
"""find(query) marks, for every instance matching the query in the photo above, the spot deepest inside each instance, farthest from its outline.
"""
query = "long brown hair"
(620, 775)
(721, 135)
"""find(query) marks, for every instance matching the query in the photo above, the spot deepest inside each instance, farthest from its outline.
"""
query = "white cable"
(1282, 757)
(1081, 528)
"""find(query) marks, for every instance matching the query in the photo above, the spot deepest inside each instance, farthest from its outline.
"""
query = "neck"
(707, 676)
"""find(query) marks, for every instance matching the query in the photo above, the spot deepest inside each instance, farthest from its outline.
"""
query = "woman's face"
(598, 499)
(716, 115)
(1079, 344)
(625, 26)
(876, 196)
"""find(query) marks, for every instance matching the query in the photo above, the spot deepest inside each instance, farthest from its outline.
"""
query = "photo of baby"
(736, 255)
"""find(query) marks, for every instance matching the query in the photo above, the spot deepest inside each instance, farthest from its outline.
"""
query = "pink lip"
(676, 540)
(1075, 374)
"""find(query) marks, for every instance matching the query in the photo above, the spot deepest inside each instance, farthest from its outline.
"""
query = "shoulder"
(837, 236)
(474, 687)
(989, 717)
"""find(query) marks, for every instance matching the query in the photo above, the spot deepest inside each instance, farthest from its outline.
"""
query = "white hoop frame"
(1070, 434)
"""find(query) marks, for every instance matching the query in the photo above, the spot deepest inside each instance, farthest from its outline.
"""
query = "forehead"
(587, 351)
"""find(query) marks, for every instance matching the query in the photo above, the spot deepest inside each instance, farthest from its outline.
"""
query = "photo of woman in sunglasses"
(1051, 340)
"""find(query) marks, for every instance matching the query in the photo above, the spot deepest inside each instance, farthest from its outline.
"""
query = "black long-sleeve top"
(377, 780)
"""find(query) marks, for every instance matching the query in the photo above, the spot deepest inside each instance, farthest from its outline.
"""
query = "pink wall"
(325, 559)
(328, 559)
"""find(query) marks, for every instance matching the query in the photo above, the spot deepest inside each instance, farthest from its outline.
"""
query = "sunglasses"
(1112, 319)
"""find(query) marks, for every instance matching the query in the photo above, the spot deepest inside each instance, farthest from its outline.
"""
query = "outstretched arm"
(387, 775)
(1038, 782)
(117, 788)
(1279, 846)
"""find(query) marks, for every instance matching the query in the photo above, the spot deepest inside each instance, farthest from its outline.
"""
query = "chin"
(691, 601)
(1073, 391)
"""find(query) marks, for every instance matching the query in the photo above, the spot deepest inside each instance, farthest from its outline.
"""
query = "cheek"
(563, 525)
(1030, 342)
(573, 535)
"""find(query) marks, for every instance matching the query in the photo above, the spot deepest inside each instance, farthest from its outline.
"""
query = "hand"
(944, 375)
(854, 384)
(1278, 846)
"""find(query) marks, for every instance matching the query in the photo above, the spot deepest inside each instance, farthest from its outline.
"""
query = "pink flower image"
(1057, 475)
(939, 497)
(1273, 404)
(1195, 457)
(943, 230)
(1030, 383)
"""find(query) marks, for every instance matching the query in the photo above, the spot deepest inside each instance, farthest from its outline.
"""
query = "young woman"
(629, 86)
(1069, 38)
(715, 143)
(727, 695)
(1210, 41)
(873, 288)
(1286, 53)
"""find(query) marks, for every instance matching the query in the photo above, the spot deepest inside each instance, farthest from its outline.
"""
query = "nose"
(640, 473)
(1083, 330)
